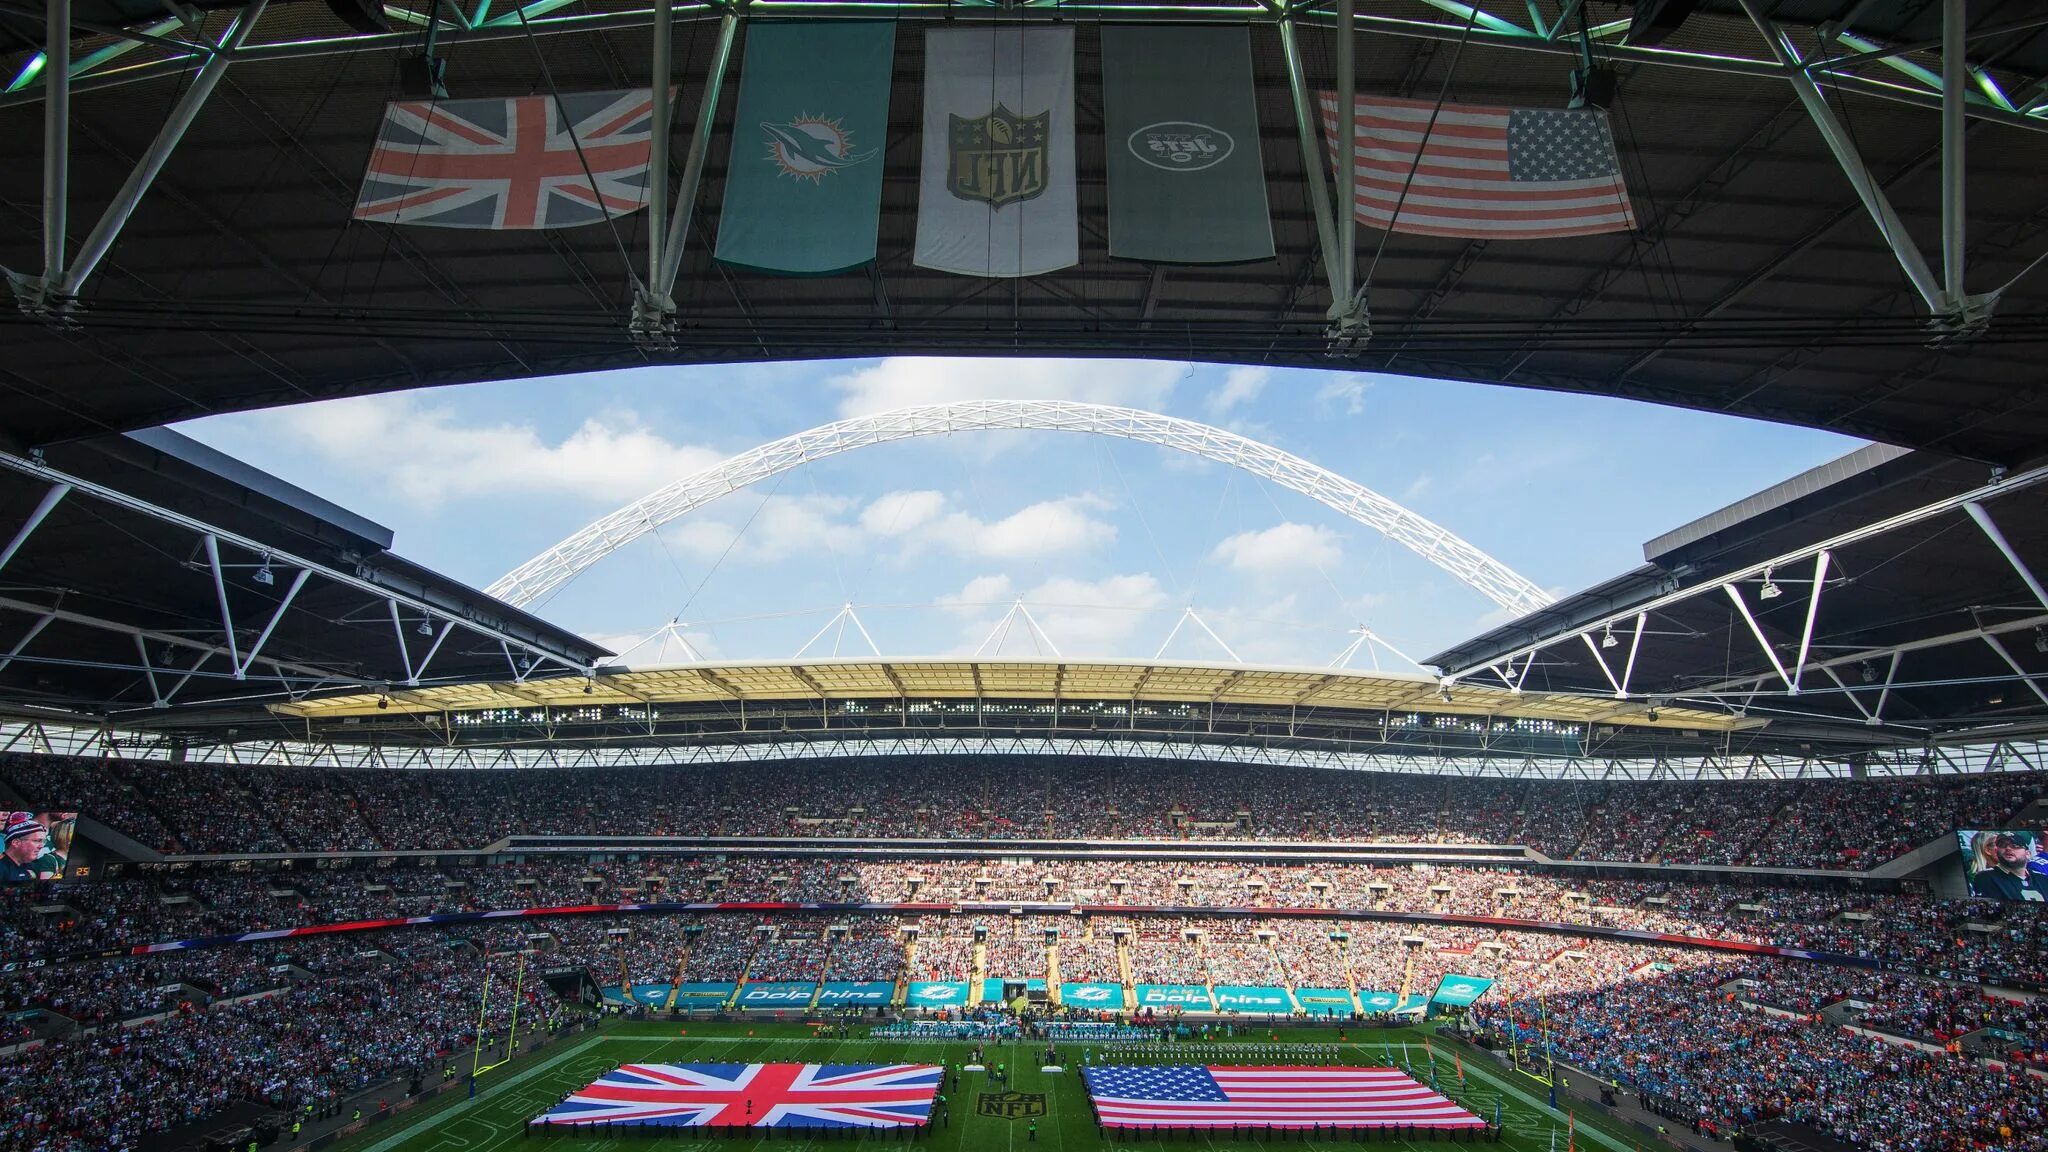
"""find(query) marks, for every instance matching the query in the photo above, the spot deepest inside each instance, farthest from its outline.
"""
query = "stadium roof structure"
(146, 574)
(1838, 206)
(1894, 590)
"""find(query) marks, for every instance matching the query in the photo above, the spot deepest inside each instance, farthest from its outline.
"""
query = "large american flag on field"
(1193, 1096)
(510, 163)
(753, 1095)
(1485, 173)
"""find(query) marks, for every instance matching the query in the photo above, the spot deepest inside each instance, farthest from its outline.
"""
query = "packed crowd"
(210, 808)
(395, 1014)
(1692, 1043)
(323, 1016)
(1908, 927)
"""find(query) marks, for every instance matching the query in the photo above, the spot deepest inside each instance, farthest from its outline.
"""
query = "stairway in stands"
(682, 965)
(977, 973)
(900, 992)
(1282, 975)
(746, 970)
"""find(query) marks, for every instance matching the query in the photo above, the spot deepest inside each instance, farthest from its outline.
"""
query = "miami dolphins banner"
(1186, 997)
(836, 993)
(803, 189)
(1092, 994)
(1186, 181)
(1460, 991)
(936, 994)
(777, 994)
(996, 194)
(1251, 998)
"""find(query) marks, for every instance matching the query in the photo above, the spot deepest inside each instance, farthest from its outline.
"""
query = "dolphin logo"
(810, 147)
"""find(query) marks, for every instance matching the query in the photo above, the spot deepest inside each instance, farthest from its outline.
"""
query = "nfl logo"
(999, 158)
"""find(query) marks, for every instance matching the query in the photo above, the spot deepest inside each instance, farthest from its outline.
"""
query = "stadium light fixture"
(1607, 639)
(1869, 672)
(426, 628)
(1770, 590)
(383, 702)
(263, 575)
(2041, 639)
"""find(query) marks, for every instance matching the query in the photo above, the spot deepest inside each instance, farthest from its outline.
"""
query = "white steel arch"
(558, 565)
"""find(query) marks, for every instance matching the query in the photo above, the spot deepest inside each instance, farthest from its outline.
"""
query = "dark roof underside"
(241, 281)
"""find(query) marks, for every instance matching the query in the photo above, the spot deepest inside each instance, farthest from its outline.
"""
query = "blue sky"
(1106, 541)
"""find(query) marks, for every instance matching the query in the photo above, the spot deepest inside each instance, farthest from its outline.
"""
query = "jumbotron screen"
(38, 846)
(2005, 864)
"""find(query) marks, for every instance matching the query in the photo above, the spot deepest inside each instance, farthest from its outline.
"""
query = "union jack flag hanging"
(753, 1096)
(514, 163)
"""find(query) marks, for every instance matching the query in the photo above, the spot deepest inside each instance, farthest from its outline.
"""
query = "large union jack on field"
(754, 1095)
(510, 163)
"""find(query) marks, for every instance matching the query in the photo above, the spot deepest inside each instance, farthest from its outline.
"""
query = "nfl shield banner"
(1186, 182)
(996, 194)
(520, 163)
(803, 190)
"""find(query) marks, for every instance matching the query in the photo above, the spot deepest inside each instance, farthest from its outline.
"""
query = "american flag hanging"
(1195, 1096)
(753, 1095)
(516, 163)
(1485, 173)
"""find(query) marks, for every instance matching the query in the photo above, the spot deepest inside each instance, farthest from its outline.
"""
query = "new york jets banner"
(803, 190)
(996, 192)
(1186, 182)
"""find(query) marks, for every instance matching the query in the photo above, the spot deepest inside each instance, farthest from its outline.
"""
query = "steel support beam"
(1833, 544)
(35, 519)
(1387, 25)
(1820, 579)
(262, 638)
(1742, 606)
(220, 591)
(101, 240)
(657, 167)
(2005, 654)
(156, 694)
(23, 466)
(1998, 541)
(1955, 74)
(56, 137)
(34, 630)
(662, 290)
(1843, 146)
(1312, 159)
(1347, 160)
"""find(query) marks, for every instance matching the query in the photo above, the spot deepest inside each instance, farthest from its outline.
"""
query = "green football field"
(510, 1095)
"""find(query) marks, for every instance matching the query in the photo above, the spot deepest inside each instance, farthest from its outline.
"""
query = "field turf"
(507, 1097)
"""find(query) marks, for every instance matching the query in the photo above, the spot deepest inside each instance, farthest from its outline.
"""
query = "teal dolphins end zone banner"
(803, 189)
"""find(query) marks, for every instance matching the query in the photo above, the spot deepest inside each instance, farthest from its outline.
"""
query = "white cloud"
(976, 597)
(901, 513)
(922, 520)
(1046, 527)
(902, 381)
(1096, 617)
(1344, 392)
(1284, 549)
(428, 455)
(1240, 386)
(785, 526)
(643, 649)
(1080, 617)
